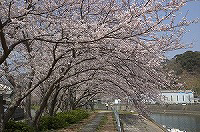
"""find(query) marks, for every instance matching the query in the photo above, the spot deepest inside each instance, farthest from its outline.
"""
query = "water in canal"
(188, 123)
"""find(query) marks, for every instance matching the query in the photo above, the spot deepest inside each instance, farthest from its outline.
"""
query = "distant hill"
(187, 67)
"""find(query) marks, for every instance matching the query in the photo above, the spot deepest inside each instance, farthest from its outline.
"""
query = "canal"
(188, 123)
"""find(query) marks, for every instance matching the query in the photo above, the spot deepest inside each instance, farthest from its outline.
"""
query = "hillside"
(186, 67)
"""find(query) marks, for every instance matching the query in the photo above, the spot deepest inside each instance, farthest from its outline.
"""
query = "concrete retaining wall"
(183, 109)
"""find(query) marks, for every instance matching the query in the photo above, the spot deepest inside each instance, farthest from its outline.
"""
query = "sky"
(193, 9)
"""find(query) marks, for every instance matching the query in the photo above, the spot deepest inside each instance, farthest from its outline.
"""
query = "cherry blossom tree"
(94, 46)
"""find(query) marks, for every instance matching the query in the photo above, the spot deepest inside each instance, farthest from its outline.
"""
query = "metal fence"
(119, 127)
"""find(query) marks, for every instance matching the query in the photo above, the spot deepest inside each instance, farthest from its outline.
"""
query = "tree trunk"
(60, 102)
(28, 109)
(28, 103)
(54, 100)
(42, 106)
(71, 99)
(1, 113)
(11, 110)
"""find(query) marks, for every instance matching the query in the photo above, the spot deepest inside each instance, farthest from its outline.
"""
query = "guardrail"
(119, 127)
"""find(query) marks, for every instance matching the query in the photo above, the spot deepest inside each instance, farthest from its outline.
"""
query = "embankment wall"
(176, 109)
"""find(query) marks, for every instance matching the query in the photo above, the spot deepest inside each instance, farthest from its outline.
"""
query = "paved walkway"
(109, 125)
(93, 124)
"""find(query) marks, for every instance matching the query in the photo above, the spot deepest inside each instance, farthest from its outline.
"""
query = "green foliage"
(189, 61)
(51, 122)
(13, 126)
(80, 114)
(73, 116)
(35, 107)
(187, 68)
(61, 119)
(68, 118)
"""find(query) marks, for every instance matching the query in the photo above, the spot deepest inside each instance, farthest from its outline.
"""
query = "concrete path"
(93, 124)
(135, 123)
(109, 124)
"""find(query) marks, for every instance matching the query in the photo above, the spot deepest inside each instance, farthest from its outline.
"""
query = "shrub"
(73, 116)
(51, 122)
(61, 119)
(13, 126)
(35, 107)
(80, 114)
(69, 118)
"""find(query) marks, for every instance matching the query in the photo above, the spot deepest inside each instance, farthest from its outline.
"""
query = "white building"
(177, 96)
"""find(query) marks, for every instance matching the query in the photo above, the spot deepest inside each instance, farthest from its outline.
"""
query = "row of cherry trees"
(65, 52)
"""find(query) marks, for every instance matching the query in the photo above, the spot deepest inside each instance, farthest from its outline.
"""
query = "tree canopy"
(189, 61)
(66, 52)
